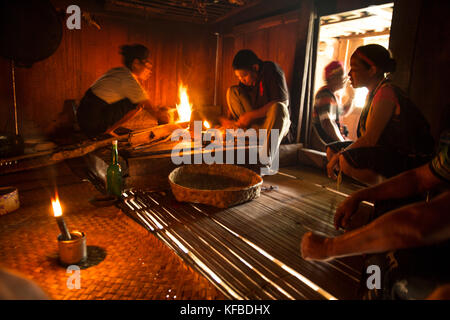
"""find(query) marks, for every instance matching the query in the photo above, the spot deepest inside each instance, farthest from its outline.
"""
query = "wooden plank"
(176, 50)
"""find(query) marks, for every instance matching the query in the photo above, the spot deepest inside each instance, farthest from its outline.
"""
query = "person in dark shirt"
(393, 134)
(260, 100)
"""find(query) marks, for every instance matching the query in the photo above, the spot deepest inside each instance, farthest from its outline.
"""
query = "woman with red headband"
(393, 135)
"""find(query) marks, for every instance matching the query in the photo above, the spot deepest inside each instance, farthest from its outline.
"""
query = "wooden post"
(302, 60)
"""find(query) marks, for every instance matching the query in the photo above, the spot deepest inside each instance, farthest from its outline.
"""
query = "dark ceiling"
(195, 11)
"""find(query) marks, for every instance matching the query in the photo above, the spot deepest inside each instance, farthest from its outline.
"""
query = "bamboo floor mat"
(252, 251)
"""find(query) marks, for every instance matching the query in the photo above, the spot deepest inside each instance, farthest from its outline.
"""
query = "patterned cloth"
(325, 107)
(118, 84)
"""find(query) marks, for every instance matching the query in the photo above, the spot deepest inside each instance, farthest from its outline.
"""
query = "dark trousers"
(95, 116)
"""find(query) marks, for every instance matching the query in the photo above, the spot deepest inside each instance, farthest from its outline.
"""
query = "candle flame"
(184, 108)
(206, 124)
(57, 211)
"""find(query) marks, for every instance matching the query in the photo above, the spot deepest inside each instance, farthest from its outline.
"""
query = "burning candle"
(57, 212)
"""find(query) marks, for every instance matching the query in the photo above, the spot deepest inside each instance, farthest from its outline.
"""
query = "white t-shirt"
(117, 84)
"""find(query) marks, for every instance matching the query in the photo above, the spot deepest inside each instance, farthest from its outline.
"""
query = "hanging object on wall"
(30, 31)
(90, 20)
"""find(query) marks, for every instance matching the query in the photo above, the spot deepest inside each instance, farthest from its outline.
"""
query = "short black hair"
(131, 52)
(379, 55)
(245, 59)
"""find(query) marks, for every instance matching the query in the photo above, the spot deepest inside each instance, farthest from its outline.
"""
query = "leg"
(330, 153)
(127, 117)
(277, 119)
(142, 120)
(238, 102)
(366, 176)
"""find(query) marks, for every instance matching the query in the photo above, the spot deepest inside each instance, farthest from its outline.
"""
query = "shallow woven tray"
(219, 185)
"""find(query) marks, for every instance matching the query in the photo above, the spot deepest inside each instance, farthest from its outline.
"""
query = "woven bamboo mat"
(251, 251)
(125, 260)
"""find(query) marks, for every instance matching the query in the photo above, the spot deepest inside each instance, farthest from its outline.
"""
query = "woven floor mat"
(125, 260)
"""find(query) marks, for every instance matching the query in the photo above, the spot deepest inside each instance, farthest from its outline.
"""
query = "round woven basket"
(219, 185)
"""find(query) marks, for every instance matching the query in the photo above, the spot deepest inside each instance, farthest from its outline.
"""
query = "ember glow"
(57, 211)
(206, 124)
(184, 108)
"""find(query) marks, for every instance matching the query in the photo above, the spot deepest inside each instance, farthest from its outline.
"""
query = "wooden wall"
(271, 39)
(419, 42)
(279, 38)
(186, 52)
(179, 52)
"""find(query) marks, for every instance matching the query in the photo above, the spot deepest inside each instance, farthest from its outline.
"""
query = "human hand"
(227, 123)
(314, 247)
(244, 120)
(333, 165)
(345, 211)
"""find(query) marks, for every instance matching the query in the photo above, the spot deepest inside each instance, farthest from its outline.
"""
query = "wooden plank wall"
(419, 42)
(179, 52)
(271, 39)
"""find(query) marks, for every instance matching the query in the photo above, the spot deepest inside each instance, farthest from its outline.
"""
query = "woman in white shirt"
(117, 99)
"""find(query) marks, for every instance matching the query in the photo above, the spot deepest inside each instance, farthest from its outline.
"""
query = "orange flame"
(206, 124)
(184, 108)
(57, 211)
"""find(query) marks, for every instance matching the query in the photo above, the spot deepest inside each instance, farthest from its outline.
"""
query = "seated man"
(261, 99)
(423, 228)
(325, 116)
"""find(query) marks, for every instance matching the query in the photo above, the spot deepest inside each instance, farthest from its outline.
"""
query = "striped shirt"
(117, 84)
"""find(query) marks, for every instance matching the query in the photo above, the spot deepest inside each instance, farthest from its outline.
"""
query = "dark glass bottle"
(114, 173)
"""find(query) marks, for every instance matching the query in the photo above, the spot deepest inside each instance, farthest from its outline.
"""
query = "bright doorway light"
(360, 97)
(339, 36)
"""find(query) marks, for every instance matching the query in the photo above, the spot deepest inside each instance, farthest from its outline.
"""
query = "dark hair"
(245, 59)
(131, 52)
(376, 55)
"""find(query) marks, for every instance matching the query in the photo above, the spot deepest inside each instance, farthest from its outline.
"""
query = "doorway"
(339, 36)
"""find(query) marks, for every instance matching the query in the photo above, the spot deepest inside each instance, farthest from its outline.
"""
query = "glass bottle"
(114, 173)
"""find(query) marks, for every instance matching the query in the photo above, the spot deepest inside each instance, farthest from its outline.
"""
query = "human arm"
(347, 101)
(332, 129)
(272, 85)
(246, 118)
(384, 105)
(406, 184)
(419, 224)
(441, 293)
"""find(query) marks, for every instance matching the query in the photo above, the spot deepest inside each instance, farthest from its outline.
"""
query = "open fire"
(184, 108)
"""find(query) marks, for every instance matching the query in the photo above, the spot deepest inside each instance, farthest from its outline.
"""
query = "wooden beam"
(364, 35)
(270, 22)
